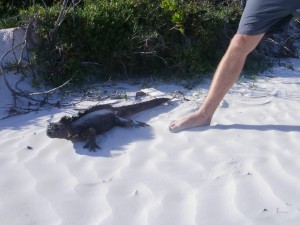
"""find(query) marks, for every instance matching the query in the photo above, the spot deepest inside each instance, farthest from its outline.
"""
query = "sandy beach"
(243, 169)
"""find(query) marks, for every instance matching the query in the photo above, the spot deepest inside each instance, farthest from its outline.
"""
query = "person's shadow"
(264, 127)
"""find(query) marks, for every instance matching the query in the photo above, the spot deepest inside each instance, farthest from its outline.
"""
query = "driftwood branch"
(16, 92)
(5, 54)
(52, 90)
(282, 46)
(38, 99)
(24, 43)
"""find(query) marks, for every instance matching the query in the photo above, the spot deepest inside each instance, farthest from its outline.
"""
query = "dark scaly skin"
(98, 120)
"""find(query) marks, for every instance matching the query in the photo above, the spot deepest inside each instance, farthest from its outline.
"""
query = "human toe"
(174, 126)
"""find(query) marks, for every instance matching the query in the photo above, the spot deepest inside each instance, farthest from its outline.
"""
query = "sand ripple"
(244, 169)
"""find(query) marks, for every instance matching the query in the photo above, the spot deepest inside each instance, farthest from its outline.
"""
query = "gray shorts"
(266, 16)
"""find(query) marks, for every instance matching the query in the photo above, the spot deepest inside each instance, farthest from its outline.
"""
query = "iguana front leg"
(123, 122)
(90, 136)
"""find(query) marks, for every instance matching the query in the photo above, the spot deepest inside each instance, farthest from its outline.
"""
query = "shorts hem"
(251, 32)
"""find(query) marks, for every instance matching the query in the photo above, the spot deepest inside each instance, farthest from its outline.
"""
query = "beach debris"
(180, 95)
(140, 94)
(119, 95)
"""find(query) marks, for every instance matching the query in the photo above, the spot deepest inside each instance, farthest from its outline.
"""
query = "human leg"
(259, 17)
(226, 74)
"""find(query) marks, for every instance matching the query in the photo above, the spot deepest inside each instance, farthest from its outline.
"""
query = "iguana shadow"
(115, 141)
(101, 119)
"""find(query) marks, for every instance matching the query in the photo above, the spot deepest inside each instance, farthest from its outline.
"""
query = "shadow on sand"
(115, 140)
(264, 127)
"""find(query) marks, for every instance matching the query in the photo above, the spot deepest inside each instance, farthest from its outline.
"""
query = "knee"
(244, 44)
(238, 45)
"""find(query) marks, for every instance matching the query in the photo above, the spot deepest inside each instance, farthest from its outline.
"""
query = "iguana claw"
(91, 146)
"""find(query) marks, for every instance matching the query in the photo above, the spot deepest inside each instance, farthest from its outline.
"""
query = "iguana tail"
(129, 110)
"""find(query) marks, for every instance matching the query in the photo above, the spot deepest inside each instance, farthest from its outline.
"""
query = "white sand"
(244, 169)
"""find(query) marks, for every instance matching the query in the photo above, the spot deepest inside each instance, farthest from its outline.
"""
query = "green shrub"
(8, 15)
(9, 10)
(132, 37)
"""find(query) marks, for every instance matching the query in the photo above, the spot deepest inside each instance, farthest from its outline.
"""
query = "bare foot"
(193, 120)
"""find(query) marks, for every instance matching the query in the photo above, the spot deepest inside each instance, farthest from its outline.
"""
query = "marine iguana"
(97, 120)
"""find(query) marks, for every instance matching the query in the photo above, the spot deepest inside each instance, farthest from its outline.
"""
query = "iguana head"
(57, 130)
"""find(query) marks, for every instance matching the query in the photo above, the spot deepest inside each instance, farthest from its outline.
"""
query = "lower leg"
(226, 74)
